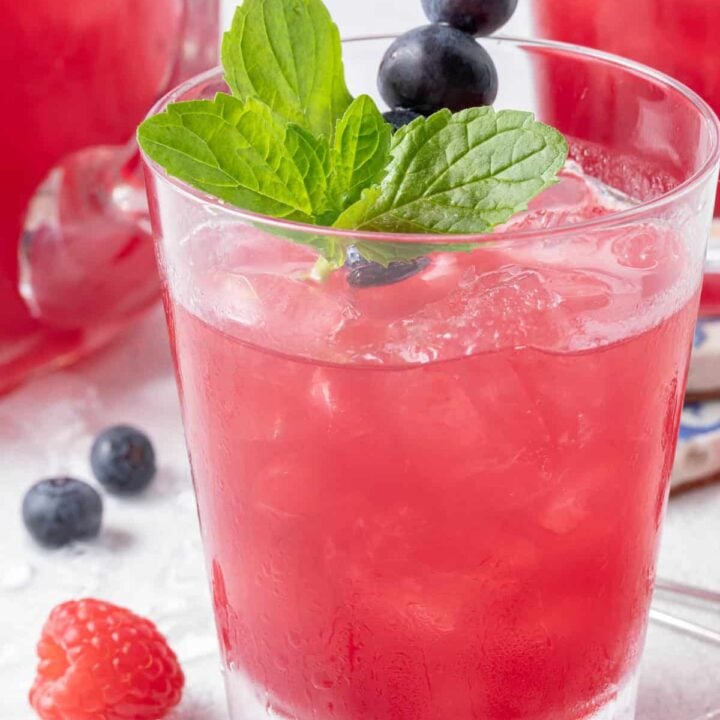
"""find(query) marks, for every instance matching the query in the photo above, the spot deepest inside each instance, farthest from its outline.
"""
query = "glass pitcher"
(76, 256)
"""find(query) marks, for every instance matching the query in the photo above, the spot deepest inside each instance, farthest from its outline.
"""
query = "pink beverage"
(442, 497)
(678, 37)
(397, 538)
(81, 75)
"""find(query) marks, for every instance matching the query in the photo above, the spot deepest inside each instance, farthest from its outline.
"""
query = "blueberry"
(365, 273)
(60, 510)
(399, 118)
(479, 17)
(123, 460)
(435, 67)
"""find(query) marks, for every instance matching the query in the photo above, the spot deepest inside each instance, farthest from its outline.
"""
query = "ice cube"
(503, 307)
(233, 298)
(564, 513)
(645, 247)
(575, 198)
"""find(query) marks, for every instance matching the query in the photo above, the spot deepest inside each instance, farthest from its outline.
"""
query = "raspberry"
(102, 662)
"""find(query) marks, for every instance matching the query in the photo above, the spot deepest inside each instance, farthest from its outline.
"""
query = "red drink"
(678, 37)
(80, 75)
(442, 498)
(393, 566)
(398, 538)
(370, 561)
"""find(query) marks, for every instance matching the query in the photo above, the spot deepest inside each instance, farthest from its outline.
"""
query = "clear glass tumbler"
(441, 498)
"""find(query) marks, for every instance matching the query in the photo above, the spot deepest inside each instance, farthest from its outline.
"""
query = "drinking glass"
(441, 497)
(678, 37)
(76, 252)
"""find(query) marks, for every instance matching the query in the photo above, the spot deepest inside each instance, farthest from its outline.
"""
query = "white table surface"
(149, 558)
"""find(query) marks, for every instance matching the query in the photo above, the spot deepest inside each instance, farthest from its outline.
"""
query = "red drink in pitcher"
(73, 229)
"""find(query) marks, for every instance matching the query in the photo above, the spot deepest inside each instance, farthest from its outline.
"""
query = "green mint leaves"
(461, 173)
(291, 142)
(241, 153)
(361, 150)
(287, 53)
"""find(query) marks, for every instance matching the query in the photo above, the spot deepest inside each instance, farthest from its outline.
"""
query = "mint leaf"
(241, 153)
(311, 156)
(287, 53)
(461, 173)
(361, 150)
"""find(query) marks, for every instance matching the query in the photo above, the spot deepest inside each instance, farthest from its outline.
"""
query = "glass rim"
(711, 125)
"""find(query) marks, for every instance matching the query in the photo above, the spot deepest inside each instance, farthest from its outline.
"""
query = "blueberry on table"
(399, 118)
(479, 17)
(435, 67)
(123, 460)
(59, 510)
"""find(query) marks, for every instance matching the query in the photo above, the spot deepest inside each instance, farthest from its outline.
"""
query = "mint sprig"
(291, 142)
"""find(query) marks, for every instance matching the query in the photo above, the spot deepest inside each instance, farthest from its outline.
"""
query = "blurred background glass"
(678, 37)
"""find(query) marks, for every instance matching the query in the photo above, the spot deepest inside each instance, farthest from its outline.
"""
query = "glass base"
(622, 706)
(249, 702)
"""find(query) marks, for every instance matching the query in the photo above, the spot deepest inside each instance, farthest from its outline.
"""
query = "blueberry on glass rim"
(435, 67)
(123, 460)
(400, 117)
(58, 511)
(478, 17)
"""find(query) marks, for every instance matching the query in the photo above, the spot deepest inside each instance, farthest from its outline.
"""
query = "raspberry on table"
(102, 662)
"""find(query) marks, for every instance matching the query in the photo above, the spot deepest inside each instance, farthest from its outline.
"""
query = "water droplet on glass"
(322, 681)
